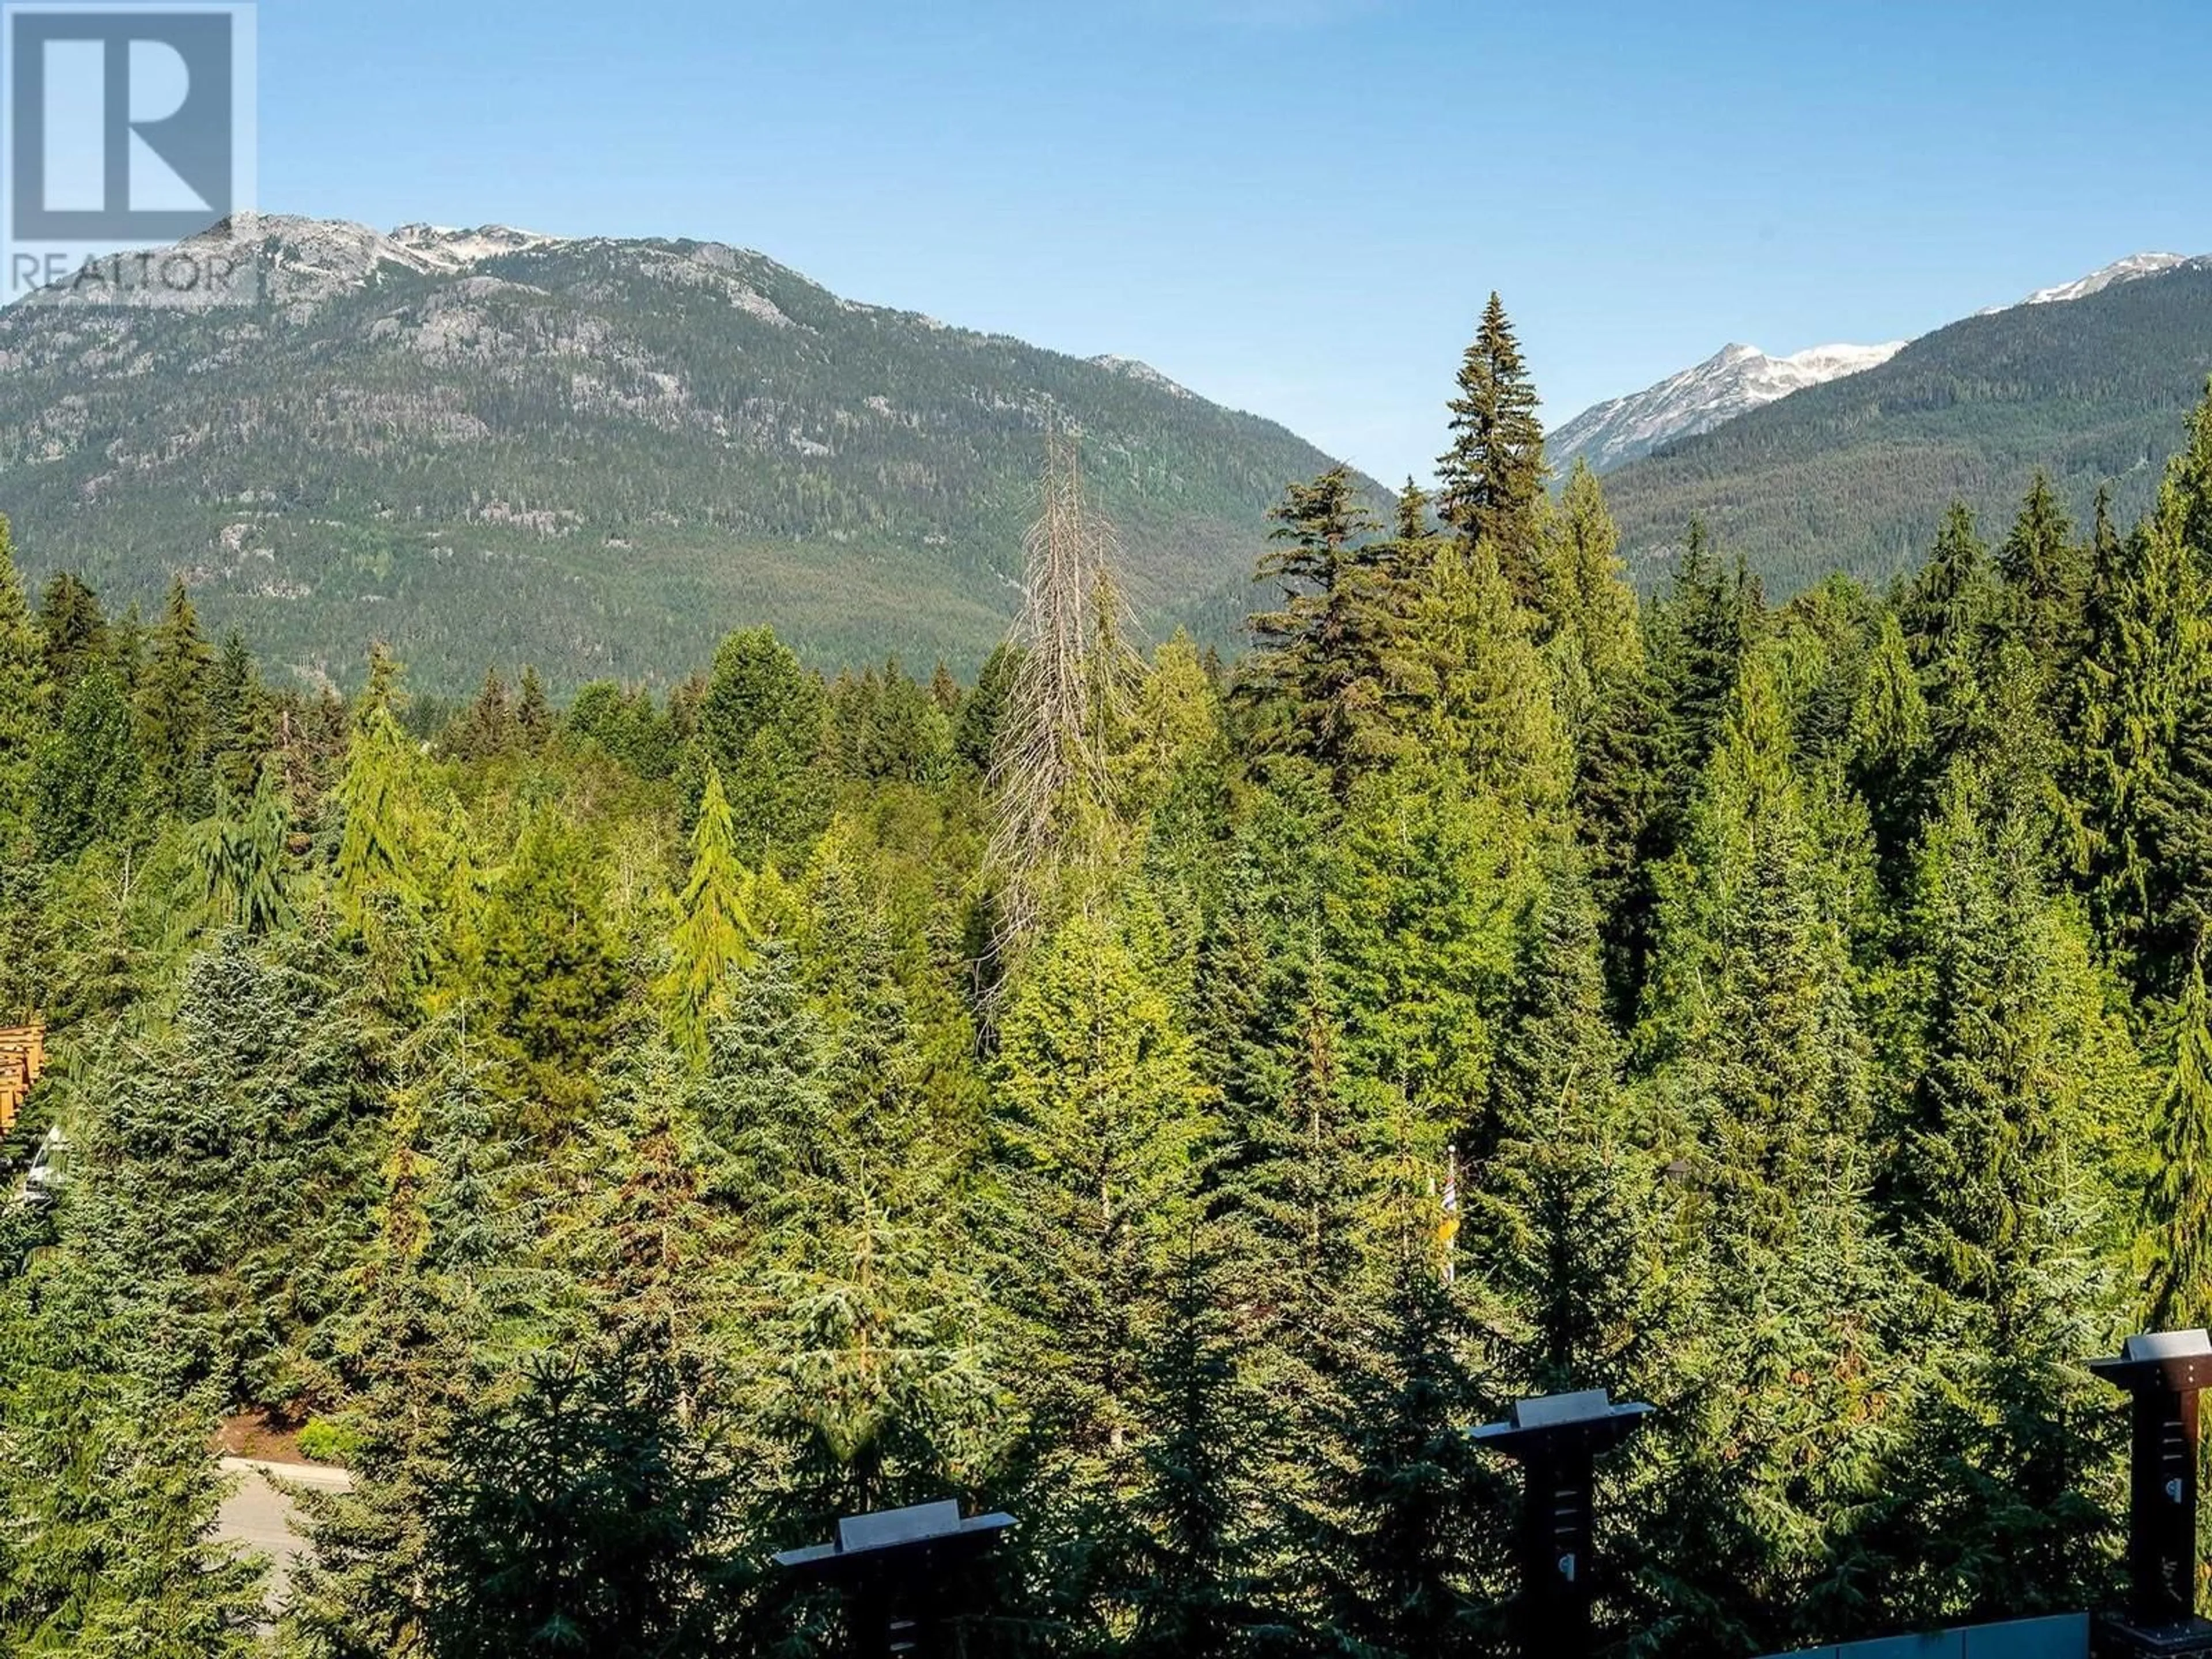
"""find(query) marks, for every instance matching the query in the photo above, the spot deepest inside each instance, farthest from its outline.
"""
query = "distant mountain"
(1734, 380)
(2120, 271)
(1740, 379)
(1857, 473)
(595, 455)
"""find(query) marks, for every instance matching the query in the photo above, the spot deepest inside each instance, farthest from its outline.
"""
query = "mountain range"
(1739, 378)
(595, 455)
(2091, 381)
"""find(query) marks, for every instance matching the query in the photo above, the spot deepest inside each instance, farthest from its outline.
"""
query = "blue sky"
(1293, 206)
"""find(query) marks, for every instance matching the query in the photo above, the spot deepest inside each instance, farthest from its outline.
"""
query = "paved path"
(258, 1516)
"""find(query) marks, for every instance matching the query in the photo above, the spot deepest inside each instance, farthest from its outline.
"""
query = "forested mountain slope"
(596, 456)
(1856, 473)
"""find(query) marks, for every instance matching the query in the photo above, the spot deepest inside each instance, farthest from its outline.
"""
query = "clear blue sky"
(1294, 206)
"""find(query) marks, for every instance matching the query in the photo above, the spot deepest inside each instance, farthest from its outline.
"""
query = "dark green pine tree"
(72, 629)
(1318, 677)
(1197, 1566)
(445, 1270)
(763, 723)
(127, 647)
(1947, 614)
(2001, 1191)
(553, 975)
(1492, 478)
(1407, 1540)
(586, 1517)
(1781, 1312)
(88, 781)
(2046, 578)
(2142, 733)
(224, 1140)
(104, 1480)
(1700, 634)
(533, 714)
(976, 731)
(172, 696)
(1554, 1189)
(765, 1097)
(485, 729)
(1890, 742)
(238, 715)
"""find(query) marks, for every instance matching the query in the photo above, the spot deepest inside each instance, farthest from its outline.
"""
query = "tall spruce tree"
(2142, 730)
(1320, 673)
(89, 778)
(171, 696)
(713, 932)
(1491, 480)
(2002, 1191)
(73, 630)
(2046, 577)
(1757, 1084)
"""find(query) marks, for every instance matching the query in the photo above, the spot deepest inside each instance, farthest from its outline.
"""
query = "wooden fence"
(22, 1057)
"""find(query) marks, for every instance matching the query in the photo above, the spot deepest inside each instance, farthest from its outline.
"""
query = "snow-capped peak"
(1734, 380)
(2120, 271)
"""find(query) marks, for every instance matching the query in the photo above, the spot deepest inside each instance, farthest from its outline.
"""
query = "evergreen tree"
(72, 629)
(431, 1290)
(1552, 1191)
(1492, 477)
(1758, 1081)
(486, 729)
(1100, 1124)
(1320, 670)
(2142, 714)
(89, 778)
(1197, 1565)
(763, 725)
(105, 1480)
(975, 732)
(552, 975)
(373, 860)
(583, 1516)
(1587, 606)
(2002, 1193)
(238, 717)
(1476, 695)
(2046, 576)
(714, 933)
(533, 714)
(1411, 1512)
(172, 694)
(236, 877)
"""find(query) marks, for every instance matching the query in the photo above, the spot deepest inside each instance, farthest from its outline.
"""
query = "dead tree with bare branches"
(1055, 831)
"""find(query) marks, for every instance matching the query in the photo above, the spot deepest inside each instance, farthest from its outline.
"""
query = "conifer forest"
(1167, 1094)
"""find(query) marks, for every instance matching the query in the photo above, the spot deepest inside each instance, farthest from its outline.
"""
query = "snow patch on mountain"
(1734, 380)
(2120, 271)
